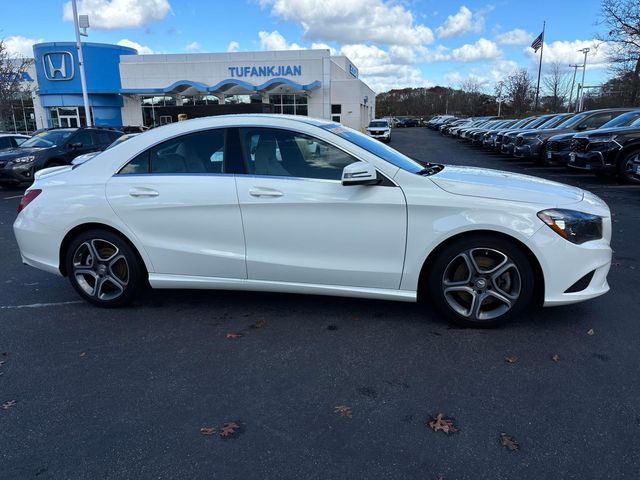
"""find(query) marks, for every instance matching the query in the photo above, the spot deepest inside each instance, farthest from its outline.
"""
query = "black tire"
(625, 168)
(117, 276)
(501, 295)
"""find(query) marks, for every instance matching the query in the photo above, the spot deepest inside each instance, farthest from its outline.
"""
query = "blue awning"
(223, 86)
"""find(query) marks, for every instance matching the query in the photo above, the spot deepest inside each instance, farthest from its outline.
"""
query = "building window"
(235, 99)
(289, 104)
(20, 118)
(336, 109)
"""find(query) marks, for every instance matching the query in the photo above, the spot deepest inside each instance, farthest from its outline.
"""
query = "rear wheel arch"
(77, 230)
(538, 292)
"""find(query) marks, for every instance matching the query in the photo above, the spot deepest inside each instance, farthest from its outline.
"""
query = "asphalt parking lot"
(124, 393)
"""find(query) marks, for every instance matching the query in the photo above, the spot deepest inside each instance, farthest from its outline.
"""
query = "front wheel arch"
(538, 288)
(77, 230)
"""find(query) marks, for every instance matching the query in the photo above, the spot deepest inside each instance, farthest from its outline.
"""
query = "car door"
(83, 141)
(302, 225)
(181, 203)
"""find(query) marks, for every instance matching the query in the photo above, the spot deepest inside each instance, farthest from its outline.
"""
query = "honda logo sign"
(58, 65)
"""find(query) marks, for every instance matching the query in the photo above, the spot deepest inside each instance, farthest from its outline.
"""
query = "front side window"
(201, 152)
(285, 153)
(597, 121)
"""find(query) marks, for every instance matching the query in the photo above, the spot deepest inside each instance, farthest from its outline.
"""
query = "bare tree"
(622, 21)
(473, 91)
(12, 85)
(519, 90)
(555, 86)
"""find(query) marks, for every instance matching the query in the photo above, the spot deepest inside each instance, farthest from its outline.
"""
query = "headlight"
(602, 139)
(27, 159)
(577, 227)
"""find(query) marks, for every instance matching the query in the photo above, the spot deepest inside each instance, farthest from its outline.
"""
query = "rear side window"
(5, 142)
(597, 121)
(201, 152)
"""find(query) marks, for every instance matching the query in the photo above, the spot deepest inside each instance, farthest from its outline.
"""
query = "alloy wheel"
(100, 269)
(481, 284)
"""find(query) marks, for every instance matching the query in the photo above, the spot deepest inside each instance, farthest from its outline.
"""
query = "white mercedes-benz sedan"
(301, 205)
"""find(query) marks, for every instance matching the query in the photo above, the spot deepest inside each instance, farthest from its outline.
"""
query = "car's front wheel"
(481, 281)
(626, 168)
(104, 269)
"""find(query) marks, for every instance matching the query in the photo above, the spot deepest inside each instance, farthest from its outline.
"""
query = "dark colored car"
(50, 148)
(555, 144)
(407, 122)
(12, 140)
(608, 150)
(476, 136)
(528, 144)
(500, 134)
(446, 128)
(508, 145)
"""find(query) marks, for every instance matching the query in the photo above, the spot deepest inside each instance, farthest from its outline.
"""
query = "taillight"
(28, 197)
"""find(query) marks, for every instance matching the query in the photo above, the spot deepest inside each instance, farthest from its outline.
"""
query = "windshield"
(574, 120)
(380, 124)
(623, 120)
(50, 138)
(550, 122)
(373, 146)
(537, 122)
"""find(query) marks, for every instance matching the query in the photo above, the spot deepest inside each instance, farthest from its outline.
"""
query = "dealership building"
(125, 88)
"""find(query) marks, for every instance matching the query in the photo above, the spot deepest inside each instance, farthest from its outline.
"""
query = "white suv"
(379, 129)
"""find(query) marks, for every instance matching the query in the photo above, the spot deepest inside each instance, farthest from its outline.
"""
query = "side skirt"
(158, 280)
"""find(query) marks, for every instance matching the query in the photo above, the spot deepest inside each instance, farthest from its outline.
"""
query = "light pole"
(83, 80)
(573, 82)
(500, 86)
(584, 70)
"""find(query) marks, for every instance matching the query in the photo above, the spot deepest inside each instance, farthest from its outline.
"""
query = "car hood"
(562, 137)
(486, 183)
(552, 132)
(18, 152)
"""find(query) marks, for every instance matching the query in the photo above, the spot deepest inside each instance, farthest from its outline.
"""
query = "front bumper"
(15, 174)
(527, 151)
(594, 161)
(564, 263)
(507, 148)
(560, 157)
(380, 136)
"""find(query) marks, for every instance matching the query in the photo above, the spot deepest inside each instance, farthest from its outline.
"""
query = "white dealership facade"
(156, 89)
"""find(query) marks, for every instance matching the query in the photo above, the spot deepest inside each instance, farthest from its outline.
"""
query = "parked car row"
(604, 141)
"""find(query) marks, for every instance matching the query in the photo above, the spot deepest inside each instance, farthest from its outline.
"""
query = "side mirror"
(360, 173)
(75, 146)
(581, 128)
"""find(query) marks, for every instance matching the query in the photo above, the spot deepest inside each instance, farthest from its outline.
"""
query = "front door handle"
(264, 192)
(143, 192)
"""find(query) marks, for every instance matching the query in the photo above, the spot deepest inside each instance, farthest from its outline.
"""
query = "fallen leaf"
(444, 424)
(208, 430)
(234, 335)
(508, 442)
(555, 357)
(83, 354)
(259, 324)
(590, 332)
(229, 429)
(511, 359)
(343, 410)
(8, 405)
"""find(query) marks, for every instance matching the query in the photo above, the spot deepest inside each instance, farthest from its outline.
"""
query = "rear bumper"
(39, 244)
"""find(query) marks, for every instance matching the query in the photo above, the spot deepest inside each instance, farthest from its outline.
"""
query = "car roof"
(21, 135)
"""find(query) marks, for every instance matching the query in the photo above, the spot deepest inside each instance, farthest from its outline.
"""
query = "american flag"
(537, 43)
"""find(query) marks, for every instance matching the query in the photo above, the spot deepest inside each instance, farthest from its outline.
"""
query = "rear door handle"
(264, 192)
(143, 192)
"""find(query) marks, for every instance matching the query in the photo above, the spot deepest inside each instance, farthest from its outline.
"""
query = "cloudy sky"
(395, 43)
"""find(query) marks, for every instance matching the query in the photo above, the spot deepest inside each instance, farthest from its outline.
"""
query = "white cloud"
(486, 75)
(483, 49)
(275, 41)
(193, 47)
(465, 21)
(566, 52)
(20, 46)
(353, 21)
(517, 36)
(233, 46)
(324, 46)
(382, 70)
(111, 14)
(142, 49)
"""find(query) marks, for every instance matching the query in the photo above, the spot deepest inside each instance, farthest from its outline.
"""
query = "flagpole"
(544, 24)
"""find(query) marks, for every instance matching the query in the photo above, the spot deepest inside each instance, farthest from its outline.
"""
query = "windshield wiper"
(430, 169)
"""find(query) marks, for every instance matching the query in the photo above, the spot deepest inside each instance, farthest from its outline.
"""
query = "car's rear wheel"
(481, 281)
(104, 269)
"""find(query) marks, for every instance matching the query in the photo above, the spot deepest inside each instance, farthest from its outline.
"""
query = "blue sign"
(263, 71)
(353, 70)
(58, 65)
